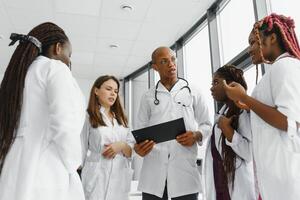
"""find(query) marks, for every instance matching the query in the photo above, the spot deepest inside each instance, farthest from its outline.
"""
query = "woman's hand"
(242, 106)
(224, 124)
(235, 92)
(111, 150)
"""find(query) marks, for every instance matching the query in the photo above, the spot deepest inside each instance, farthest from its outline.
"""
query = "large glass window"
(198, 70)
(288, 8)
(156, 77)
(235, 22)
(250, 77)
(139, 85)
(127, 98)
(198, 65)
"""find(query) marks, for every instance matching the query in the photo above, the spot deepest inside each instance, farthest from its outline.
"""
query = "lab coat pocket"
(184, 151)
(127, 177)
(89, 177)
(51, 173)
(192, 162)
(289, 157)
(187, 158)
(291, 144)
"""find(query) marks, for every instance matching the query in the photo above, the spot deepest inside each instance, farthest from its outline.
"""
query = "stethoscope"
(156, 100)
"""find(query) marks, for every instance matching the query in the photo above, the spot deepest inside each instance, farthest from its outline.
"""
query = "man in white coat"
(169, 169)
(42, 112)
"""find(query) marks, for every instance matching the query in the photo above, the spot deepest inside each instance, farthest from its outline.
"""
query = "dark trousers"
(147, 196)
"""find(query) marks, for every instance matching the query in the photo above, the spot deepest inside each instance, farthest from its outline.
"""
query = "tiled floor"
(136, 195)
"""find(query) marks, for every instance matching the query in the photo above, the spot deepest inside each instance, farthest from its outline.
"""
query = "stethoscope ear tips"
(181, 104)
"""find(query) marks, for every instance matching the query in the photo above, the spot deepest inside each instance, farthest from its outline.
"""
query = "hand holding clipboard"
(147, 137)
(160, 132)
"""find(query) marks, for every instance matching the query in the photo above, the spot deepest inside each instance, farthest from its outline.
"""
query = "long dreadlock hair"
(284, 28)
(230, 73)
(12, 85)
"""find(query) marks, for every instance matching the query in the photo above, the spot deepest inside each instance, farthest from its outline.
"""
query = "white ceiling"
(93, 25)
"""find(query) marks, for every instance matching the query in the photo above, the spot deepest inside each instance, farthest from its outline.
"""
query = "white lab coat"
(170, 160)
(43, 159)
(241, 144)
(276, 152)
(102, 178)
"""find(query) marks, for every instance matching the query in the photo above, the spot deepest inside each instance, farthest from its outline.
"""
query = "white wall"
(85, 86)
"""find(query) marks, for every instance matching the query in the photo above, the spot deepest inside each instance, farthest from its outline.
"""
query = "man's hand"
(144, 147)
(189, 138)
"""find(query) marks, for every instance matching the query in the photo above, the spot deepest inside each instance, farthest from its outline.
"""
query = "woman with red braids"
(275, 107)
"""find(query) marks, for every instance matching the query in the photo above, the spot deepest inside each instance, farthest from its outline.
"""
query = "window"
(289, 8)
(250, 77)
(198, 66)
(156, 77)
(198, 70)
(235, 22)
(139, 86)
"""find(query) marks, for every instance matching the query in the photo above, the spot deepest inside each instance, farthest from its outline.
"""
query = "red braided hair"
(283, 27)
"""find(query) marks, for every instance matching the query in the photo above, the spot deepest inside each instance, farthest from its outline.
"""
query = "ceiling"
(94, 25)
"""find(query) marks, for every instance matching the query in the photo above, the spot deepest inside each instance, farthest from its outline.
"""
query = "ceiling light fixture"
(126, 7)
(113, 46)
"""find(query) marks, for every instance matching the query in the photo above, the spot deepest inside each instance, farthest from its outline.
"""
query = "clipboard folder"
(160, 132)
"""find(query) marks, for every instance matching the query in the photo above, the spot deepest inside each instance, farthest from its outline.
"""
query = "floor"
(137, 195)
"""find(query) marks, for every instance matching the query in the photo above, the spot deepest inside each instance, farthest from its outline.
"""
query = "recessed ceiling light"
(113, 46)
(127, 7)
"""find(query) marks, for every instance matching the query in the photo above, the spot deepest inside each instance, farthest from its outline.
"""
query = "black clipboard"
(161, 132)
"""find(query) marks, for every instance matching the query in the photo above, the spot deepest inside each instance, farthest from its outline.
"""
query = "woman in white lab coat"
(228, 171)
(275, 108)
(41, 117)
(107, 144)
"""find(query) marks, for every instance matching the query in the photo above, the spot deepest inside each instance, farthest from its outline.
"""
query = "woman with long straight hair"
(107, 144)
(41, 116)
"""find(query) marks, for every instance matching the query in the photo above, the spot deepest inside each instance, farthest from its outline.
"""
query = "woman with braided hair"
(42, 113)
(275, 108)
(228, 162)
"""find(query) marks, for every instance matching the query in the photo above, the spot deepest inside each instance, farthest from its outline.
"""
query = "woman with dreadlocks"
(275, 107)
(41, 117)
(228, 162)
